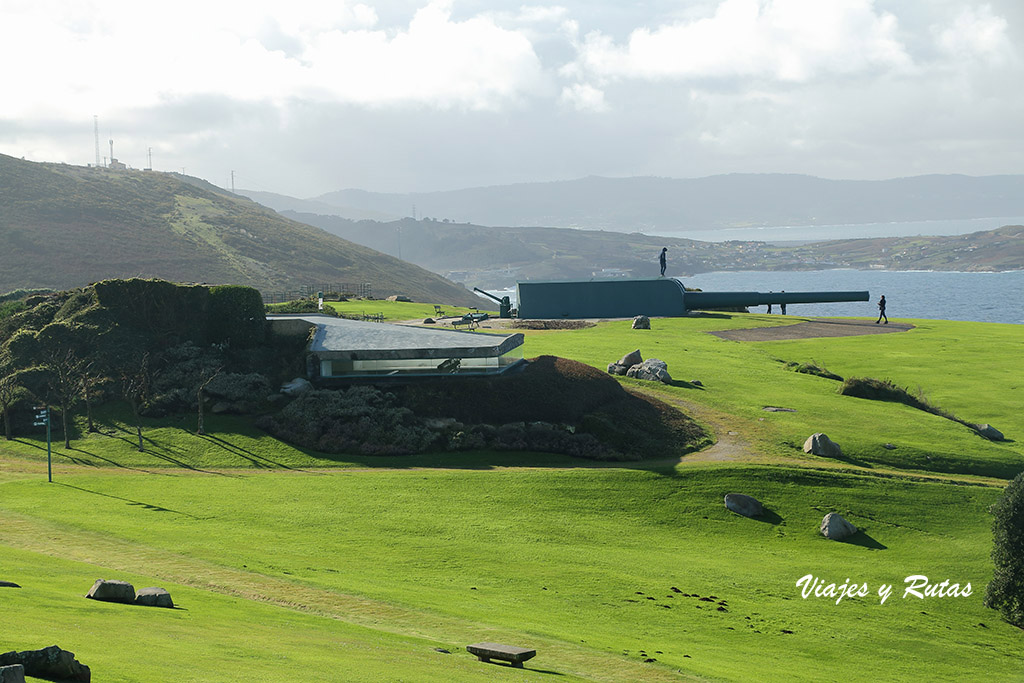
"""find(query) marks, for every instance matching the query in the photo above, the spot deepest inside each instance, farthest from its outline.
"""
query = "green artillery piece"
(504, 303)
(665, 297)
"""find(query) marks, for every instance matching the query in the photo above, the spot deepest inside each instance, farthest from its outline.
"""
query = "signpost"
(43, 418)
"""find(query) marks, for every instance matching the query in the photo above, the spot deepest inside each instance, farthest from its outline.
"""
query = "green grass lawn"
(292, 565)
(564, 559)
(965, 368)
(400, 310)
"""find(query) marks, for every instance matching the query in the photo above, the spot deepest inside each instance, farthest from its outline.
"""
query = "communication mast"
(96, 130)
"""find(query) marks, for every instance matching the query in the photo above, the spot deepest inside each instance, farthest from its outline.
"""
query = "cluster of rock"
(641, 322)
(833, 526)
(51, 663)
(398, 297)
(125, 593)
(633, 365)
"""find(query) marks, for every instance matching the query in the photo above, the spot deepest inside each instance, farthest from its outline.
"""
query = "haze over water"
(819, 233)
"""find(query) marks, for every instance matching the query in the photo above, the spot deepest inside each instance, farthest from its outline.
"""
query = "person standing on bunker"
(663, 260)
(881, 311)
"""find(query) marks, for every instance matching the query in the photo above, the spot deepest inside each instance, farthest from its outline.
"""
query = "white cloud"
(584, 97)
(75, 58)
(784, 40)
(976, 34)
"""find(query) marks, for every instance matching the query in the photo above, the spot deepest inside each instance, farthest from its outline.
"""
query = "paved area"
(816, 327)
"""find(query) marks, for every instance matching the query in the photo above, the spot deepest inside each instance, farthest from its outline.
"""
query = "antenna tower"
(96, 131)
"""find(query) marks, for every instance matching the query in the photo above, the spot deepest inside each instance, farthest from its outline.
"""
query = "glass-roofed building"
(351, 349)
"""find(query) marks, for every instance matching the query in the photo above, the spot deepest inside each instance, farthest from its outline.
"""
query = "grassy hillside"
(500, 256)
(291, 565)
(65, 226)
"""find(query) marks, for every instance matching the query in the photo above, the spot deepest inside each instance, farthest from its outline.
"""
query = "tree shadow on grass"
(111, 462)
(59, 452)
(863, 540)
(129, 501)
(259, 461)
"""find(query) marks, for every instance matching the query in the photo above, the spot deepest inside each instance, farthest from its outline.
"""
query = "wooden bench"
(485, 652)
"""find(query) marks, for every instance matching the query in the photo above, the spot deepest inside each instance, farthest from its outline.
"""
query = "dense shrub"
(813, 368)
(1006, 591)
(177, 374)
(165, 312)
(885, 390)
(234, 386)
(236, 314)
(360, 420)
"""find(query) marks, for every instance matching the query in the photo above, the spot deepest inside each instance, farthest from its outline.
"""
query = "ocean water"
(981, 297)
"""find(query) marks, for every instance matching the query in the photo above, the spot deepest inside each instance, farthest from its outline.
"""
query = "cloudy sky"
(305, 97)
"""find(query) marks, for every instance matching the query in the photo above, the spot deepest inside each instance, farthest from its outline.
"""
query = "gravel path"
(816, 327)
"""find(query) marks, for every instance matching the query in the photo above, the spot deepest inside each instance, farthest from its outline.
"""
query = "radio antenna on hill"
(96, 131)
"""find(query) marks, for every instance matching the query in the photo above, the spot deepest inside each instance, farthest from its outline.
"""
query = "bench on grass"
(485, 652)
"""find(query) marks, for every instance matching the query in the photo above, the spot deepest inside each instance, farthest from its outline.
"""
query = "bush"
(236, 314)
(813, 368)
(360, 420)
(239, 387)
(1006, 591)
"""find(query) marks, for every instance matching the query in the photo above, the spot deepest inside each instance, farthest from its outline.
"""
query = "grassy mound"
(559, 390)
(813, 368)
(886, 390)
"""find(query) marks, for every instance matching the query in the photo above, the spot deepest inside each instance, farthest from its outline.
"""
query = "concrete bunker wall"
(612, 298)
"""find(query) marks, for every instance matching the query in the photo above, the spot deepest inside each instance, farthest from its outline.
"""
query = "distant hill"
(281, 202)
(66, 226)
(649, 204)
(498, 257)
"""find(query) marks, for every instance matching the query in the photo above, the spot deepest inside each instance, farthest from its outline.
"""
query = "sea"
(980, 297)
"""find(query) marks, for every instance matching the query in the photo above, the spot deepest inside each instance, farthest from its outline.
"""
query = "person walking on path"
(663, 260)
(782, 305)
(881, 311)
(770, 304)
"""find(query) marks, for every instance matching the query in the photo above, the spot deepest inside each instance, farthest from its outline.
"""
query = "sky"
(307, 97)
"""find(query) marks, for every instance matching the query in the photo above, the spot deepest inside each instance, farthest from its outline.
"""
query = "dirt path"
(815, 327)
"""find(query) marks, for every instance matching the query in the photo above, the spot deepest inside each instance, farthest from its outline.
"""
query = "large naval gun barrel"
(702, 300)
(621, 298)
(504, 303)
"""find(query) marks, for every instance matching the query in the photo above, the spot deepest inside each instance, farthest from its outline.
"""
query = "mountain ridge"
(66, 226)
(650, 203)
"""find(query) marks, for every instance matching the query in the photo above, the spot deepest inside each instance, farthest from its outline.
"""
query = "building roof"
(339, 338)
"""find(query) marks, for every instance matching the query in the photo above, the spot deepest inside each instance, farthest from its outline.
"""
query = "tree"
(205, 380)
(1006, 591)
(89, 379)
(135, 387)
(9, 386)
